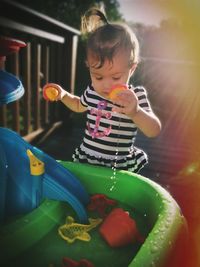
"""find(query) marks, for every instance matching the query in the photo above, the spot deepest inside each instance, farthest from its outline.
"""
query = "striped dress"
(109, 136)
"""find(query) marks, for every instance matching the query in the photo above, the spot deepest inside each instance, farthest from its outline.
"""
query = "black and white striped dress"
(109, 136)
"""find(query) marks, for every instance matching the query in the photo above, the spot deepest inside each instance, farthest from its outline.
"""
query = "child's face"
(111, 73)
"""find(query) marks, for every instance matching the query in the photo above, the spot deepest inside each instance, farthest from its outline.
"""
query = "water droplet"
(114, 167)
(154, 248)
(161, 237)
(112, 187)
(162, 229)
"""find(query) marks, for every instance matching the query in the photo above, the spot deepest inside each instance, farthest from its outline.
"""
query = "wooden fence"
(49, 56)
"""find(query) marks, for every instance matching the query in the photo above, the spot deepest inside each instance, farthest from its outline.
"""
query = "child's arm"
(147, 122)
(72, 102)
(54, 92)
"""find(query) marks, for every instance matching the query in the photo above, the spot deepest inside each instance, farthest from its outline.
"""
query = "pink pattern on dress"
(100, 113)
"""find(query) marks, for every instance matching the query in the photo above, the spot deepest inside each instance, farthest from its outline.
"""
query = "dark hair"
(105, 39)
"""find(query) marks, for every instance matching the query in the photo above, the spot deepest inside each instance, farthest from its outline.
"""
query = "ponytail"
(92, 19)
(105, 39)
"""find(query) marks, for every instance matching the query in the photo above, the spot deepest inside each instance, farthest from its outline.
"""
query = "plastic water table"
(29, 229)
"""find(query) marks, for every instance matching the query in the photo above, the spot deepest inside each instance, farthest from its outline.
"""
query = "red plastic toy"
(100, 203)
(119, 229)
(9, 45)
(67, 262)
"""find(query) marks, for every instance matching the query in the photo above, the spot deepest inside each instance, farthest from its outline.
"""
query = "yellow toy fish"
(71, 231)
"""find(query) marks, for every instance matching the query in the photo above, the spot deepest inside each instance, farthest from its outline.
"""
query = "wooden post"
(73, 63)
(36, 85)
(3, 108)
(45, 71)
(27, 85)
(15, 105)
(3, 117)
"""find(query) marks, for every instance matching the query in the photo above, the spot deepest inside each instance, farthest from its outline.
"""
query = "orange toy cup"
(116, 90)
(51, 92)
(118, 229)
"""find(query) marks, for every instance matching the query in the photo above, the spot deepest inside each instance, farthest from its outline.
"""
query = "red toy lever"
(100, 203)
(67, 262)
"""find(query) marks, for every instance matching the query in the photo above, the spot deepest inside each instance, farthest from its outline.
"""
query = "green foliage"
(70, 11)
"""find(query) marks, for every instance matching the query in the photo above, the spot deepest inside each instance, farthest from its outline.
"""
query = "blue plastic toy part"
(11, 88)
(3, 180)
(44, 185)
(53, 190)
(57, 182)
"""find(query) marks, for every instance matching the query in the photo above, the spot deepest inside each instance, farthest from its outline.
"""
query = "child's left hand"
(127, 102)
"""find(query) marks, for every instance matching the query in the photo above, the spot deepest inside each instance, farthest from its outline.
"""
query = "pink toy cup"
(118, 229)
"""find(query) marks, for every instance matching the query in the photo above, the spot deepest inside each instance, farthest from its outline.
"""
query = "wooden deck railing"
(49, 56)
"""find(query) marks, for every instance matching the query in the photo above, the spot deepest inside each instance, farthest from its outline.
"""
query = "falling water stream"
(114, 167)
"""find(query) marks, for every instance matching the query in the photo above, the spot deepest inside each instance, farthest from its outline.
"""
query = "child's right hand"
(53, 92)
